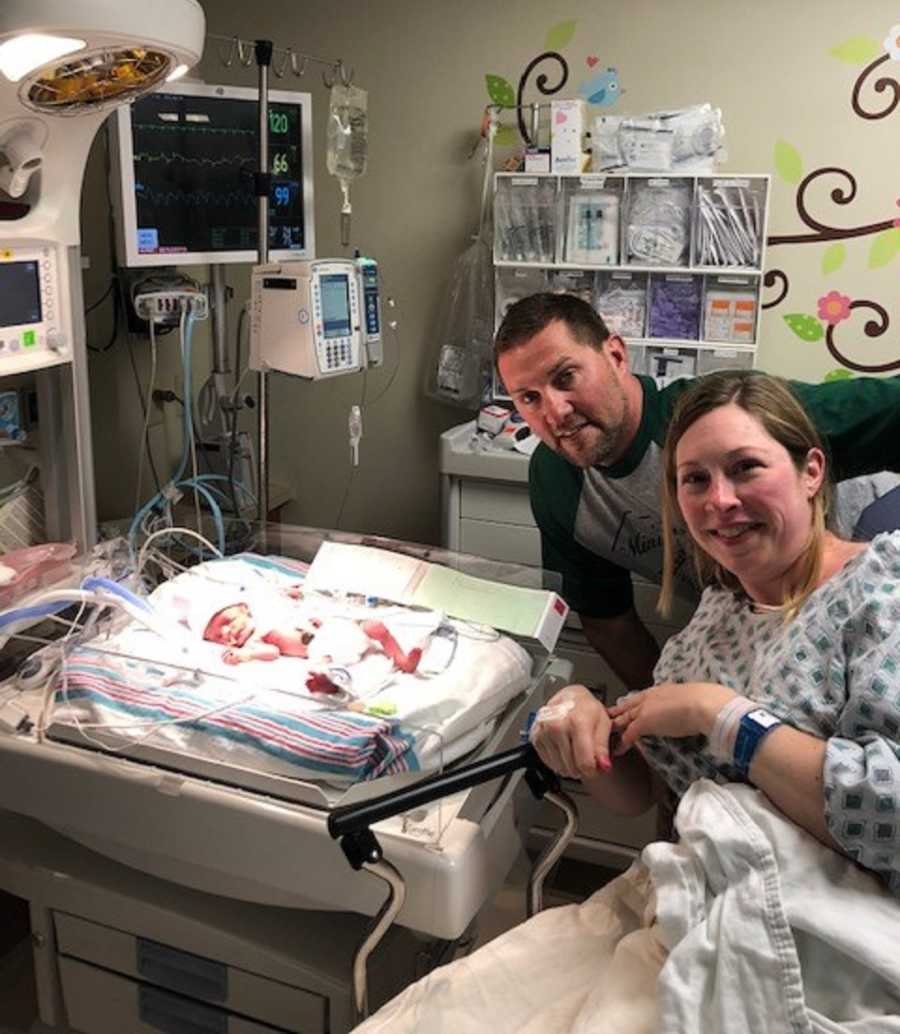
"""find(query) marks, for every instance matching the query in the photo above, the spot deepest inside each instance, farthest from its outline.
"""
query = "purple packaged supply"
(675, 304)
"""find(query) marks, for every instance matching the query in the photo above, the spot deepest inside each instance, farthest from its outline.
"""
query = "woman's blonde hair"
(770, 401)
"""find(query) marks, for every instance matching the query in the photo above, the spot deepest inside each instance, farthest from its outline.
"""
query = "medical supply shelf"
(671, 262)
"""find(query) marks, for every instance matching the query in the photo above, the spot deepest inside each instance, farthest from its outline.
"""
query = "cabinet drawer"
(189, 975)
(99, 1002)
(500, 541)
(494, 501)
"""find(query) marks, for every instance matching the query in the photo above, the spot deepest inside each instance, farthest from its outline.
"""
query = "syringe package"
(525, 220)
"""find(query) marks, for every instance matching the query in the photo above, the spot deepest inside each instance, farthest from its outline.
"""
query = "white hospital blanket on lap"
(260, 714)
(748, 924)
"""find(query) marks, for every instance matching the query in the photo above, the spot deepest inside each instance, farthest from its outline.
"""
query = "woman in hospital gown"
(786, 680)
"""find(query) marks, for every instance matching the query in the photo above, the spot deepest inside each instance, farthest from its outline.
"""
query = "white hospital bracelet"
(723, 734)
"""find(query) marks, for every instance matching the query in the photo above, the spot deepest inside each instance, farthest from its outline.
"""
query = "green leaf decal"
(857, 50)
(807, 328)
(507, 136)
(560, 35)
(788, 163)
(884, 247)
(500, 91)
(833, 258)
(840, 374)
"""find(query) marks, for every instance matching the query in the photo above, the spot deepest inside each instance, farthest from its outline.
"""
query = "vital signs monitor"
(184, 165)
(305, 318)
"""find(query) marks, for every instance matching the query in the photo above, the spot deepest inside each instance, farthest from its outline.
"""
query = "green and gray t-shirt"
(599, 525)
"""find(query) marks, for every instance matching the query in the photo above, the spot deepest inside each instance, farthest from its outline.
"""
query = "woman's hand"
(669, 709)
(571, 734)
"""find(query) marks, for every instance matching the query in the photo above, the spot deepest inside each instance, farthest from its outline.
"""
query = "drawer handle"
(180, 971)
(173, 1015)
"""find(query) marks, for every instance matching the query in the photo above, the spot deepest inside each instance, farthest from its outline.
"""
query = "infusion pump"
(305, 318)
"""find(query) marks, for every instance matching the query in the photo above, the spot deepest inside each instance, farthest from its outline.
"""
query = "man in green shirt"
(595, 479)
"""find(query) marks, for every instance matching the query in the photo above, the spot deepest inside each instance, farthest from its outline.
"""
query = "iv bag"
(348, 132)
(347, 143)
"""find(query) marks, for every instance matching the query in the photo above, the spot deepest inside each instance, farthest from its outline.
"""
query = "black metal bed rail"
(351, 823)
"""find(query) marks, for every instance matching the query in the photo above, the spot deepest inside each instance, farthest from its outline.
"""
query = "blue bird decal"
(601, 89)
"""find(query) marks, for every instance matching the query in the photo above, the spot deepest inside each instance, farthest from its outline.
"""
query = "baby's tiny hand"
(231, 657)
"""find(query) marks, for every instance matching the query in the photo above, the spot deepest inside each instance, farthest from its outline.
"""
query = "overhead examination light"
(68, 55)
(22, 54)
(66, 58)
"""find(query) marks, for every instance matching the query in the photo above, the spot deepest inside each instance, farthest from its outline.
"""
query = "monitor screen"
(20, 294)
(335, 293)
(186, 159)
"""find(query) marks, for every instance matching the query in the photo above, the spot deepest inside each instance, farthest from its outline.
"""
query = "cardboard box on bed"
(535, 615)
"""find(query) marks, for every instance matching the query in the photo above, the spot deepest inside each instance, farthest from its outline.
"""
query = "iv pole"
(296, 62)
(263, 49)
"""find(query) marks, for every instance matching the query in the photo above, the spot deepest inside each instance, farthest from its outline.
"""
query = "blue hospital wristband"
(754, 727)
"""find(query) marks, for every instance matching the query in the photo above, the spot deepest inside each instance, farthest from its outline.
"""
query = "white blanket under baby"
(748, 924)
(137, 693)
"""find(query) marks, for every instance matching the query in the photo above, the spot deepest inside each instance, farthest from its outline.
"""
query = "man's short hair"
(533, 314)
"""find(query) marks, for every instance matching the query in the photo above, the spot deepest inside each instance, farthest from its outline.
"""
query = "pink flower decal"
(834, 307)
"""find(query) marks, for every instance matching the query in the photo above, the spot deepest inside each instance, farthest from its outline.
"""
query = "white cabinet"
(117, 951)
(674, 264)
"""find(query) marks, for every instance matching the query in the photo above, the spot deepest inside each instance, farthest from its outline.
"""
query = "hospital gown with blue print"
(833, 672)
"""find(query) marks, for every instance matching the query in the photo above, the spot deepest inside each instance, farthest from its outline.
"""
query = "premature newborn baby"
(334, 640)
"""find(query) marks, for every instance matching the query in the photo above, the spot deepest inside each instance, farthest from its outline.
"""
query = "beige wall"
(767, 65)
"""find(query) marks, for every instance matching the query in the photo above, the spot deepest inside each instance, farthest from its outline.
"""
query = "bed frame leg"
(553, 851)
(389, 910)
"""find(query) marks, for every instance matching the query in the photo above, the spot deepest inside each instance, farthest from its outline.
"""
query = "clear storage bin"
(729, 222)
(675, 304)
(525, 219)
(657, 221)
(621, 299)
(666, 365)
(637, 358)
(592, 207)
(709, 360)
(579, 282)
(730, 306)
(512, 285)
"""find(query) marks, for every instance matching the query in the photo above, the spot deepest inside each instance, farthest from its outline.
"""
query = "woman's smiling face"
(744, 500)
